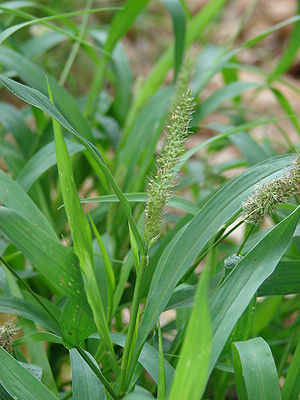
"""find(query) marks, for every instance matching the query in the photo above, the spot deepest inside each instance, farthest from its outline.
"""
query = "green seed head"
(160, 186)
(270, 194)
(7, 333)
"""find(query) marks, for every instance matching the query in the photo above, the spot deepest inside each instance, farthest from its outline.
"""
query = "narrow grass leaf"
(13, 196)
(228, 92)
(290, 52)
(37, 337)
(191, 373)
(291, 387)
(57, 263)
(141, 197)
(81, 234)
(76, 325)
(236, 292)
(41, 162)
(255, 370)
(179, 26)
(34, 76)
(25, 309)
(19, 382)
(85, 384)
(110, 276)
(161, 387)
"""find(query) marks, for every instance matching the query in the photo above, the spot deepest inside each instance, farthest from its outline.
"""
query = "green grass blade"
(6, 33)
(291, 387)
(85, 384)
(41, 162)
(161, 387)
(141, 197)
(25, 309)
(19, 382)
(57, 263)
(191, 373)
(233, 296)
(290, 52)
(284, 103)
(179, 26)
(34, 76)
(255, 370)
(81, 234)
(110, 276)
(13, 196)
(228, 92)
(36, 337)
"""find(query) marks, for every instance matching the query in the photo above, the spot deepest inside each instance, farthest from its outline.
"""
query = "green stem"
(98, 373)
(76, 45)
(204, 254)
(132, 323)
(96, 87)
(245, 240)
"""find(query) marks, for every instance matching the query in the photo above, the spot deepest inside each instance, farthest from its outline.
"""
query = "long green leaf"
(141, 197)
(85, 384)
(5, 34)
(42, 160)
(19, 382)
(25, 309)
(191, 373)
(13, 196)
(179, 26)
(233, 296)
(57, 263)
(291, 387)
(81, 233)
(34, 76)
(255, 370)
(119, 26)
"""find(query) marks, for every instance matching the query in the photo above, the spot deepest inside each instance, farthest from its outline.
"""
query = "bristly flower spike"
(270, 194)
(7, 333)
(160, 186)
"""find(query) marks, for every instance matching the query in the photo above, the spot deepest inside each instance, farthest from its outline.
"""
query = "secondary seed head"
(270, 194)
(7, 333)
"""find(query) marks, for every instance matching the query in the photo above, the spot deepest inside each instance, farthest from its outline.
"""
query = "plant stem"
(76, 45)
(245, 240)
(204, 254)
(98, 373)
(132, 323)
